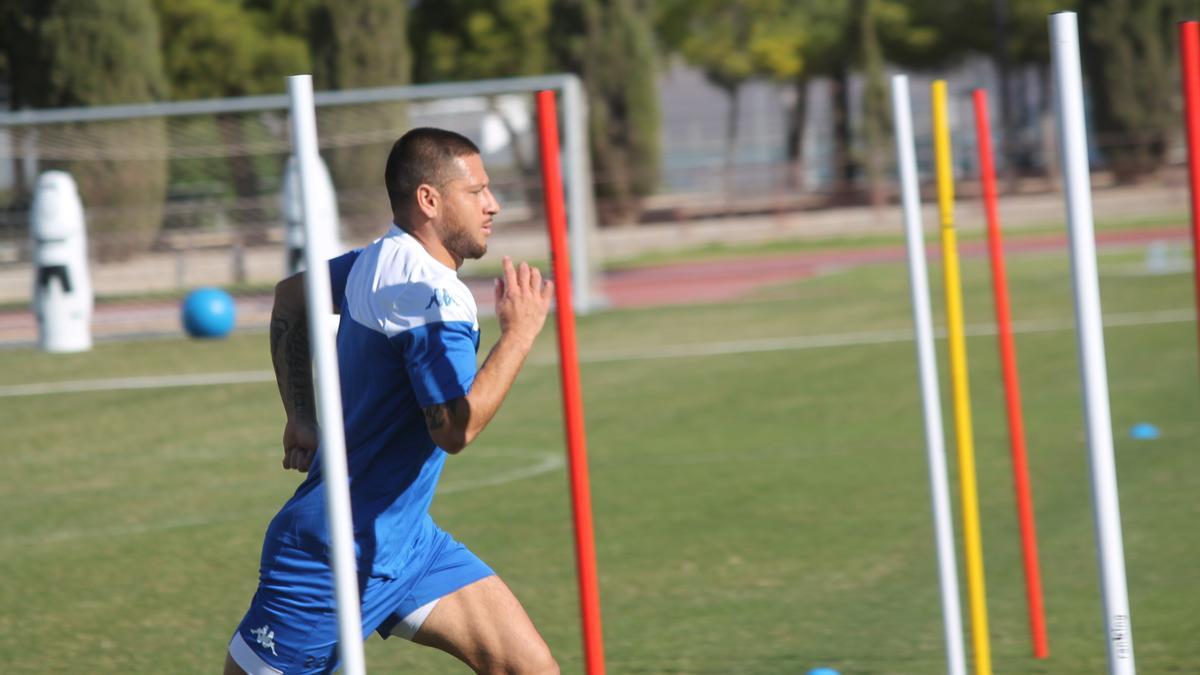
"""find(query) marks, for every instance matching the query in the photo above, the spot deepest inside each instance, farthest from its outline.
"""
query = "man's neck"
(429, 240)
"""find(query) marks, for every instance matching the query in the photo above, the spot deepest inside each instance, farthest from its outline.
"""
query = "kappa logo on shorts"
(265, 637)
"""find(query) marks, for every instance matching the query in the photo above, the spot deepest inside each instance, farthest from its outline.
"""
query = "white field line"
(148, 382)
(876, 337)
(544, 462)
(60, 536)
(547, 462)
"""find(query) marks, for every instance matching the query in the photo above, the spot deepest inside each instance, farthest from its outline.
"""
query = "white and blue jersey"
(408, 339)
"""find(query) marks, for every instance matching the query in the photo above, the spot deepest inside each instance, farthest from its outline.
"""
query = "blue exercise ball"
(822, 671)
(208, 313)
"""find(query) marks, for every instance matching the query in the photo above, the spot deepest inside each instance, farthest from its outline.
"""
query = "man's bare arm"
(290, 351)
(522, 302)
(454, 424)
(292, 359)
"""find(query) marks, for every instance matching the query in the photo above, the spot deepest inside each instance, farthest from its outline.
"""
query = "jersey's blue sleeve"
(339, 271)
(440, 359)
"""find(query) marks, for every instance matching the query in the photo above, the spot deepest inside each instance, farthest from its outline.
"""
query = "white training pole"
(927, 364)
(1072, 136)
(329, 394)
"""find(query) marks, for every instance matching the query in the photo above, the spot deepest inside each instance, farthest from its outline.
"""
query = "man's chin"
(466, 249)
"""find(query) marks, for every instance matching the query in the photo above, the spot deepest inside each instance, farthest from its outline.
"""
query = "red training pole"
(1012, 387)
(1189, 59)
(581, 498)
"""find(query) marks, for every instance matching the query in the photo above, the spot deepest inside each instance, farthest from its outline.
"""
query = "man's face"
(468, 209)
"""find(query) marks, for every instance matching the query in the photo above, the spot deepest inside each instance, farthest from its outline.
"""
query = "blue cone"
(1143, 431)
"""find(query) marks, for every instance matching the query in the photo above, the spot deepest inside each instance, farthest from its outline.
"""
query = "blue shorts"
(292, 627)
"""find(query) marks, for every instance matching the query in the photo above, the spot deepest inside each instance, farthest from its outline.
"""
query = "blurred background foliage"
(56, 53)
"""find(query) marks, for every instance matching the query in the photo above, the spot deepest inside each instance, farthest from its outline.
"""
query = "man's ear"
(429, 200)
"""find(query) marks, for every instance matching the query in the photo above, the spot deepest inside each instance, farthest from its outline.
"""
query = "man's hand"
(300, 441)
(522, 301)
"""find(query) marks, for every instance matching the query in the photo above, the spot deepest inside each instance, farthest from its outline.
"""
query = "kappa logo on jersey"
(265, 637)
(440, 298)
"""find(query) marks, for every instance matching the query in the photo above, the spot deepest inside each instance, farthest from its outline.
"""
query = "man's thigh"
(485, 626)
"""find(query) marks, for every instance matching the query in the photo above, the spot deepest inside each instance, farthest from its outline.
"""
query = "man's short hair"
(422, 156)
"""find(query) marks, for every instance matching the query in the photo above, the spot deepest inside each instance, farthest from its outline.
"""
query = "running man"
(411, 394)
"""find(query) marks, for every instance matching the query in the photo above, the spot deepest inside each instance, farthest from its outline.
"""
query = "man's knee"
(548, 666)
(540, 662)
(531, 660)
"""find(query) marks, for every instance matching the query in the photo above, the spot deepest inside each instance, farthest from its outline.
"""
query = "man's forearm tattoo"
(296, 387)
(279, 326)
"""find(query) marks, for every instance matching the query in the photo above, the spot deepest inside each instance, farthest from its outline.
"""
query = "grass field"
(761, 504)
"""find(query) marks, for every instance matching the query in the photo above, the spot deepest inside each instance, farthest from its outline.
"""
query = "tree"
(610, 45)
(20, 53)
(1014, 33)
(607, 42)
(913, 33)
(823, 54)
(75, 53)
(1129, 50)
(480, 39)
(354, 44)
(53, 68)
(217, 49)
(876, 123)
(1130, 59)
(733, 42)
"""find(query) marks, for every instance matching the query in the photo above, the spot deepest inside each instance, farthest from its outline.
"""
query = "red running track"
(693, 282)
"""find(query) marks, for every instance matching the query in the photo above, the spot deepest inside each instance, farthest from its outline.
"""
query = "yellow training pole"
(958, 377)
